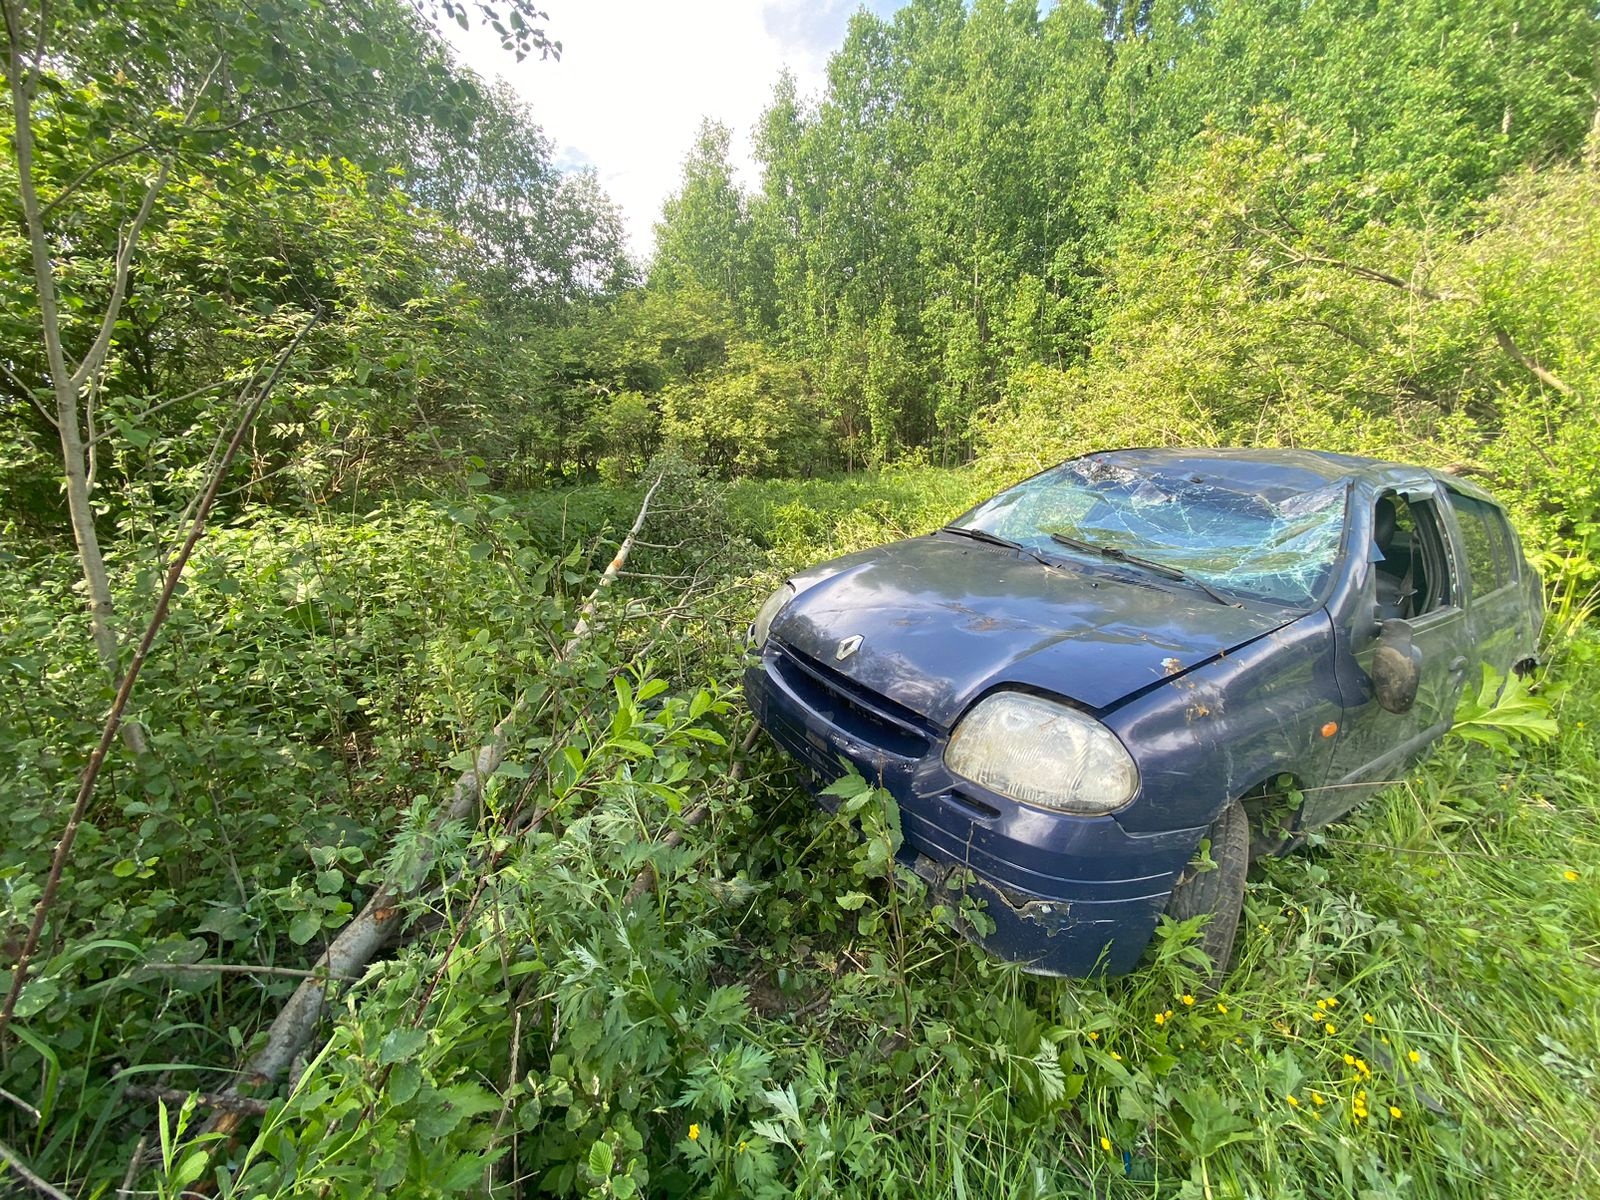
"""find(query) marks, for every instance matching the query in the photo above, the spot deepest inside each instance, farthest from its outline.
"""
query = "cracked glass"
(1275, 547)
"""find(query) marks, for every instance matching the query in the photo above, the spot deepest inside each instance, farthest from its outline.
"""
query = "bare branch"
(237, 969)
(119, 282)
(93, 360)
(22, 1104)
(1529, 364)
(28, 392)
(238, 1104)
(148, 145)
(170, 401)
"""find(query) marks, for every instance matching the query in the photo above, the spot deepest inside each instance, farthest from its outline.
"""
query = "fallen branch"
(377, 924)
(240, 969)
(108, 734)
(645, 880)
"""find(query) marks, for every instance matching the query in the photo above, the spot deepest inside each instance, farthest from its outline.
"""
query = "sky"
(636, 76)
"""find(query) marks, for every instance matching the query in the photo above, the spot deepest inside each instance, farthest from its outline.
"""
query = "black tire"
(1218, 892)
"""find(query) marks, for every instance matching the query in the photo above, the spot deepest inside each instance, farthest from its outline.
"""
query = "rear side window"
(1487, 542)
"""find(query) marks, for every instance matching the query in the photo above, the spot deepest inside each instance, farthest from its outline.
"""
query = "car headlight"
(1042, 753)
(766, 614)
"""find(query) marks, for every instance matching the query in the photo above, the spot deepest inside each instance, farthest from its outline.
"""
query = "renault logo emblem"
(848, 647)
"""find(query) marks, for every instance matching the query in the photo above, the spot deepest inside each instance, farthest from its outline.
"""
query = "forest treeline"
(994, 233)
(1345, 224)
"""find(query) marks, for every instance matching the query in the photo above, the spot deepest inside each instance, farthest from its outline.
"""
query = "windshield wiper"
(1117, 554)
(994, 539)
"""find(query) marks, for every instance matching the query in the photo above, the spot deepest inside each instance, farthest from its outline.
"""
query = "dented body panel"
(1211, 699)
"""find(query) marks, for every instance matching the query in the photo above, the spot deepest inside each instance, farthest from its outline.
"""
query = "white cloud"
(636, 77)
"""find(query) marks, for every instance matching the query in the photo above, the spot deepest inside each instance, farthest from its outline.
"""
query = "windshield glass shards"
(1218, 531)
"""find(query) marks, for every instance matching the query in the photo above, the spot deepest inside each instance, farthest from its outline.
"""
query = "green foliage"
(755, 415)
(792, 1011)
(1502, 713)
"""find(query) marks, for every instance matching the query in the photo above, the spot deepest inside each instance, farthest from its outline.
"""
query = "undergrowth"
(1414, 1011)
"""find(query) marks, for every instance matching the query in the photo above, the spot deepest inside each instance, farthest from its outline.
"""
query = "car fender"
(1213, 734)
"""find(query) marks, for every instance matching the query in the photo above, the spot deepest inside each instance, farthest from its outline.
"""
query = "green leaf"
(851, 901)
(847, 787)
(190, 1169)
(601, 1160)
(404, 1081)
(398, 1045)
(304, 926)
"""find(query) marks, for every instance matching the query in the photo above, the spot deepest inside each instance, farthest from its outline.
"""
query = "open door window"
(1414, 571)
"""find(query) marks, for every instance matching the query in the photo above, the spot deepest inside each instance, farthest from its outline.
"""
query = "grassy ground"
(1414, 1011)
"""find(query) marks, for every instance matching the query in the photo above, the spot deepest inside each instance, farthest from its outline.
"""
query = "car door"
(1497, 609)
(1374, 747)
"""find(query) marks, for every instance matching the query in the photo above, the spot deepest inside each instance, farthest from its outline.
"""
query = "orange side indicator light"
(1331, 728)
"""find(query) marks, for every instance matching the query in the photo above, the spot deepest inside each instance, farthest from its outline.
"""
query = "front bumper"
(1068, 895)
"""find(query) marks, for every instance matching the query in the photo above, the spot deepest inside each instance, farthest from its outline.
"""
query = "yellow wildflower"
(694, 1133)
(1161, 1018)
(1188, 1000)
(1094, 1035)
(1321, 1004)
(1395, 1112)
(1105, 1144)
(1316, 1098)
(1570, 876)
(1349, 1060)
(1413, 1056)
(1333, 1002)
(1362, 1069)
(1115, 1057)
(1294, 1101)
(1222, 1008)
(1369, 1018)
(1331, 1027)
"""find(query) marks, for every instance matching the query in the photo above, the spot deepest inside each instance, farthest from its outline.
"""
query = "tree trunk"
(70, 386)
(98, 584)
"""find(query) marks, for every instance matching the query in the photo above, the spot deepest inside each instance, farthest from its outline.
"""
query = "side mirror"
(1396, 667)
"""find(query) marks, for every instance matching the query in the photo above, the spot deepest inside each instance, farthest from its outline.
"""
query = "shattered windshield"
(1219, 531)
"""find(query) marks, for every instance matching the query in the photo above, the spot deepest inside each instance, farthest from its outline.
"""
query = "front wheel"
(1217, 891)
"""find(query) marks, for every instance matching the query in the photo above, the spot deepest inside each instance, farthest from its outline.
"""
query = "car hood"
(942, 620)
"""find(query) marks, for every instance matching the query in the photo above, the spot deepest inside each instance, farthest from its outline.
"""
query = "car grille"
(866, 718)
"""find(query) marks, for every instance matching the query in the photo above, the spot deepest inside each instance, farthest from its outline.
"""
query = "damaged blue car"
(1078, 686)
